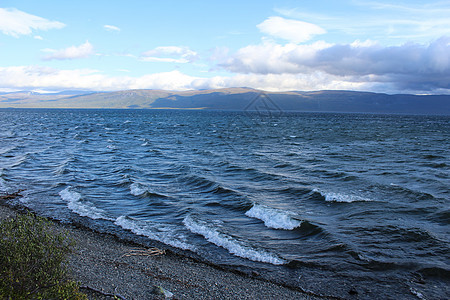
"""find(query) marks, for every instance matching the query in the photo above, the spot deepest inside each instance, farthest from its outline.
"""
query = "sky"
(377, 46)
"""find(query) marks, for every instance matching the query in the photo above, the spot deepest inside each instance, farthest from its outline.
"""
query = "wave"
(273, 218)
(441, 217)
(164, 233)
(340, 197)
(62, 167)
(206, 185)
(82, 208)
(296, 191)
(20, 160)
(140, 190)
(230, 243)
(435, 272)
(2, 181)
(414, 194)
(432, 156)
(112, 147)
(4, 151)
(253, 173)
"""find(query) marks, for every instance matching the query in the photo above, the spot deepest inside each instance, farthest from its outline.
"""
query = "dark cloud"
(410, 66)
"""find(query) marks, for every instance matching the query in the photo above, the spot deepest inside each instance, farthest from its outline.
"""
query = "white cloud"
(111, 28)
(393, 23)
(271, 58)
(171, 54)
(290, 30)
(14, 22)
(73, 52)
(281, 82)
(39, 77)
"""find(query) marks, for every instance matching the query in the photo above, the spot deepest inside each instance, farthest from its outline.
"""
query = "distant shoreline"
(238, 99)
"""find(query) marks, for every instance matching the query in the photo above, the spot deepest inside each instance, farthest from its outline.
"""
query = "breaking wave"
(273, 218)
(165, 233)
(82, 207)
(230, 243)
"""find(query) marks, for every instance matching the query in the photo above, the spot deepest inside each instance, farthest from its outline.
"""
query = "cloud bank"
(409, 66)
(39, 77)
(14, 22)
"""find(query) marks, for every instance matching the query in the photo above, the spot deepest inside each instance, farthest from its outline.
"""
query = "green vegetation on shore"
(32, 260)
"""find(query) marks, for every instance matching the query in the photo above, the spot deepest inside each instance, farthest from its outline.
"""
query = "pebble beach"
(107, 267)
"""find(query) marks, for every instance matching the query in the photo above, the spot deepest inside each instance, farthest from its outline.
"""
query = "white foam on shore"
(339, 197)
(164, 233)
(231, 244)
(272, 217)
(83, 208)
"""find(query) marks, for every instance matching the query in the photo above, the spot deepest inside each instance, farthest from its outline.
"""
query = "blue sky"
(380, 46)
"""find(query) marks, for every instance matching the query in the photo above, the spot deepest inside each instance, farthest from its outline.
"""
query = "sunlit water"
(350, 205)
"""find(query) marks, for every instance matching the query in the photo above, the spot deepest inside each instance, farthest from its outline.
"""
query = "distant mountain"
(236, 99)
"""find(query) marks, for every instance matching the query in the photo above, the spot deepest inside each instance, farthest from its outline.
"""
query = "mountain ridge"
(239, 98)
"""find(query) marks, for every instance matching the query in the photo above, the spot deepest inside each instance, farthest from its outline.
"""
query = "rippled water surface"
(349, 205)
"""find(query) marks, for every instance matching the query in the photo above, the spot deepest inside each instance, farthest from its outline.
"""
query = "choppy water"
(349, 205)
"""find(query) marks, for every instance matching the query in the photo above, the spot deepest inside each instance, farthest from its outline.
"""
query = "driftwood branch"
(146, 252)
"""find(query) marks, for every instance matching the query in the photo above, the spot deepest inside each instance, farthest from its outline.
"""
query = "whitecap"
(164, 233)
(137, 189)
(82, 208)
(417, 293)
(340, 197)
(234, 246)
(272, 217)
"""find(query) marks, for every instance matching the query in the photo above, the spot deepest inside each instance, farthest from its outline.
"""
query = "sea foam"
(272, 217)
(231, 244)
(339, 197)
(83, 208)
(164, 233)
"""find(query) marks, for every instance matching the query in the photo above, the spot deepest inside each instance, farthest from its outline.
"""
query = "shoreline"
(106, 266)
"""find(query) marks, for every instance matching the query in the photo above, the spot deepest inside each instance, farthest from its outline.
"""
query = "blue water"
(346, 205)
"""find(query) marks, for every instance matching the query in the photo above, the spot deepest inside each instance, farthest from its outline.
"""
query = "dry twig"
(145, 252)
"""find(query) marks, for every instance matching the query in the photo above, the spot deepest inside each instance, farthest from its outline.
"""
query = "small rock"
(353, 292)
(159, 290)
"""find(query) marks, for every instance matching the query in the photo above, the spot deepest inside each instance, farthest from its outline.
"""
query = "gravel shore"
(106, 266)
